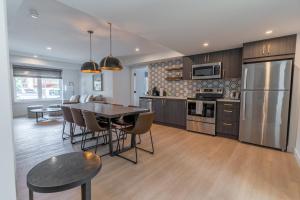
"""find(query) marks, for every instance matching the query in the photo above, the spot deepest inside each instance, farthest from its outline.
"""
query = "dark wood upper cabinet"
(232, 63)
(187, 67)
(272, 47)
(215, 57)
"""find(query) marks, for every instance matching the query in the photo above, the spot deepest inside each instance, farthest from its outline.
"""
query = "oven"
(201, 116)
(207, 71)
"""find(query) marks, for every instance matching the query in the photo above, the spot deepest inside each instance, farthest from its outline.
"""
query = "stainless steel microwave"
(207, 71)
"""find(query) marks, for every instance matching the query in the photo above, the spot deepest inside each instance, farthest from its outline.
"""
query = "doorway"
(139, 84)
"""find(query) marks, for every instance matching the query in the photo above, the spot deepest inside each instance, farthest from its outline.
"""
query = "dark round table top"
(63, 172)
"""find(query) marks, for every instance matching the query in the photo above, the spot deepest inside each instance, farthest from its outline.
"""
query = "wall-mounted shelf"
(175, 78)
(174, 69)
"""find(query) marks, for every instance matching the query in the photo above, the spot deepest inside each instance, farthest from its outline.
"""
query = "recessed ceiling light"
(205, 44)
(49, 48)
(35, 56)
(269, 32)
(137, 49)
(34, 14)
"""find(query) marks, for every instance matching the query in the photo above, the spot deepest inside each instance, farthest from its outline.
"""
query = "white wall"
(71, 73)
(121, 92)
(7, 167)
(86, 85)
(116, 86)
(295, 117)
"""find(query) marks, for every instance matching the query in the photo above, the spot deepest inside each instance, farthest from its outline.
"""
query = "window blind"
(35, 72)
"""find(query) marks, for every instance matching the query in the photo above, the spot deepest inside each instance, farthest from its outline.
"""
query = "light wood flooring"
(185, 166)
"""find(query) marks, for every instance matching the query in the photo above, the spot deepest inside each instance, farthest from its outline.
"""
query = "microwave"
(207, 71)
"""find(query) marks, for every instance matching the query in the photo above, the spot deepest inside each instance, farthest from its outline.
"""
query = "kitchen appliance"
(146, 103)
(234, 94)
(207, 71)
(265, 103)
(155, 92)
(201, 111)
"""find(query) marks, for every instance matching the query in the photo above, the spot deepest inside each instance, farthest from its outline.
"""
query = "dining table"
(109, 111)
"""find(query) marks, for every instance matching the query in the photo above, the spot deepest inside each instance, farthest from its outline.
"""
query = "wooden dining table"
(109, 111)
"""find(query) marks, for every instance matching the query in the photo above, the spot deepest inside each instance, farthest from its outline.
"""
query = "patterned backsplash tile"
(185, 88)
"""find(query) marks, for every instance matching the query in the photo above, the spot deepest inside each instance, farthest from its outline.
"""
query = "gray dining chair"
(79, 121)
(142, 126)
(95, 126)
(67, 115)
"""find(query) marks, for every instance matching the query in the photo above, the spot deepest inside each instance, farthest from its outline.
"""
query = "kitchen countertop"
(164, 97)
(229, 100)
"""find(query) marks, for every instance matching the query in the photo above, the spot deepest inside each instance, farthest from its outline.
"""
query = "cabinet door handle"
(269, 47)
(208, 57)
(229, 111)
(263, 51)
(227, 124)
(223, 74)
(205, 58)
(227, 104)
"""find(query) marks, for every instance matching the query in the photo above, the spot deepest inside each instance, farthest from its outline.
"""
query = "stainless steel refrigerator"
(265, 102)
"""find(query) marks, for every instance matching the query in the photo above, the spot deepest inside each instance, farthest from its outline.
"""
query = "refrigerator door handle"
(244, 106)
(246, 77)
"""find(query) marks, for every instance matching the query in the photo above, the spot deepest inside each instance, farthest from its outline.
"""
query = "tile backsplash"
(185, 88)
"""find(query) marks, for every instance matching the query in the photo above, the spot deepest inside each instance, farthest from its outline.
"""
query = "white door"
(140, 84)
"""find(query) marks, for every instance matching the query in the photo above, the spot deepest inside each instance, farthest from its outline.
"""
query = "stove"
(201, 110)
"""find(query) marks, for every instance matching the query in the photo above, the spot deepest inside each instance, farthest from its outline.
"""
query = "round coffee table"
(64, 172)
(42, 111)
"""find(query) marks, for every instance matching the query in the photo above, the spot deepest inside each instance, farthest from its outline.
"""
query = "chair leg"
(135, 149)
(118, 139)
(72, 131)
(152, 151)
(63, 130)
(140, 140)
(123, 139)
(97, 142)
(82, 139)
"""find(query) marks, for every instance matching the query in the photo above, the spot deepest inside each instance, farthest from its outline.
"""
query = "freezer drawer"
(264, 118)
(275, 75)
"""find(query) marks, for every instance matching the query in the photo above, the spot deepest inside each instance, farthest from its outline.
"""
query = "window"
(51, 88)
(26, 88)
(37, 84)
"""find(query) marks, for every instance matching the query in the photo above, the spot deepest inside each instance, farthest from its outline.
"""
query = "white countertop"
(229, 100)
(164, 97)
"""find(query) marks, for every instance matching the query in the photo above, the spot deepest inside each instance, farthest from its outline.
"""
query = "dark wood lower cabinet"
(170, 112)
(228, 117)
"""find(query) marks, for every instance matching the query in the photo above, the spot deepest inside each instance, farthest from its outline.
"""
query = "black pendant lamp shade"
(110, 62)
(90, 66)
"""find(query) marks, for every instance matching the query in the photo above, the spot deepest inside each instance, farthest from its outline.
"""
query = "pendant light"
(110, 62)
(90, 66)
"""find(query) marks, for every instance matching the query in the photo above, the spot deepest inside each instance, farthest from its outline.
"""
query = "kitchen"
(241, 93)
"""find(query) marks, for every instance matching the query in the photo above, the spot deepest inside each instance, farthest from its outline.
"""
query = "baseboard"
(297, 156)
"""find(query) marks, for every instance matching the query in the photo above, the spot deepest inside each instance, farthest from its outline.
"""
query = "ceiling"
(179, 27)
(185, 25)
(64, 29)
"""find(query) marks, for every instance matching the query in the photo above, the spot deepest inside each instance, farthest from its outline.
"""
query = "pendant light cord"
(90, 46)
(110, 39)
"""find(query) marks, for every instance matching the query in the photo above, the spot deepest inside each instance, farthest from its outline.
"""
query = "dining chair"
(142, 126)
(93, 125)
(67, 115)
(79, 121)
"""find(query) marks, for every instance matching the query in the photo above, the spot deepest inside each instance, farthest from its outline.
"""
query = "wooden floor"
(185, 166)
